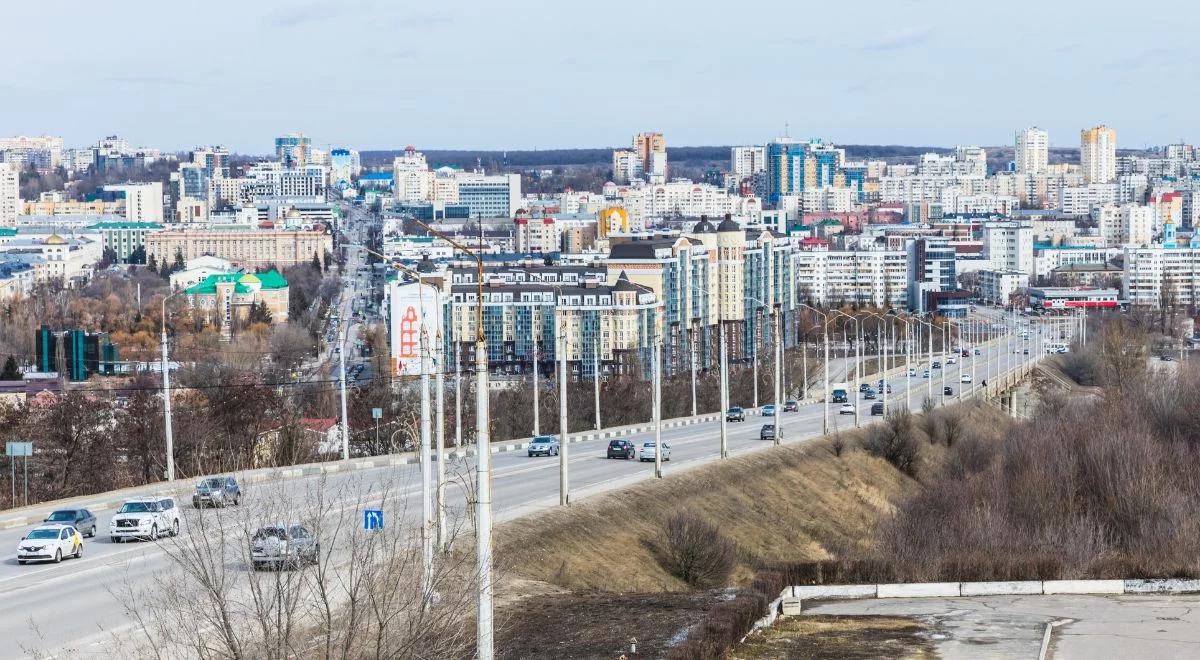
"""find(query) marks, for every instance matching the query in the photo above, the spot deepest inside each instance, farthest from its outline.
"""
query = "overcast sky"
(563, 73)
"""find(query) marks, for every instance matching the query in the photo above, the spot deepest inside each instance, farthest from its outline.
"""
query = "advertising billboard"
(413, 307)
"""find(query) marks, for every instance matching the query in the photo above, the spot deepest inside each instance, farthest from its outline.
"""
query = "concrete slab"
(834, 591)
(920, 590)
(1162, 586)
(1083, 587)
(1001, 588)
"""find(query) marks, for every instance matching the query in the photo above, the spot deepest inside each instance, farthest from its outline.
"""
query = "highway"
(72, 609)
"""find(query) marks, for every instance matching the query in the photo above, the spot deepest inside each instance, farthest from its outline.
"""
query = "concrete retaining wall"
(835, 591)
(1000, 588)
(1161, 586)
(1083, 587)
(920, 590)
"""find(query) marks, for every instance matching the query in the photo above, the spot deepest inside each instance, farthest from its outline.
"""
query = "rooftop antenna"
(786, 132)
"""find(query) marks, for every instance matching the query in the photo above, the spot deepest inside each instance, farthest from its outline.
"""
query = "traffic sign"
(373, 519)
(377, 413)
(18, 448)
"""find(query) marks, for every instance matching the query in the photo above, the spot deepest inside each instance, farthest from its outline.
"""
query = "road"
(71, 608)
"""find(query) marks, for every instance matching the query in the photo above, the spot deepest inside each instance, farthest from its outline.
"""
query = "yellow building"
(244, 246)
(227, 298)
(61, 207)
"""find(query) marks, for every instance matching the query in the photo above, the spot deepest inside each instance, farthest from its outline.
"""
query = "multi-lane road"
(72, 609)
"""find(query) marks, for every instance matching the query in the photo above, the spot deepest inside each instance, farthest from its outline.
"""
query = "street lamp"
(166, 387)
(857, 357)
(825, 332)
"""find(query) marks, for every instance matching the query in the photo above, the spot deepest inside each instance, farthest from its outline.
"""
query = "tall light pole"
(724, 390)
(596, 375)
(778, 377)
(440, 499)
(564, 484)
(457, 398)
(484, 633)
(342, 387)
(857, 358)
(426, 439)
(168, 436)
(692, 348)
(825, 332)
(657, 371)
(537, 427)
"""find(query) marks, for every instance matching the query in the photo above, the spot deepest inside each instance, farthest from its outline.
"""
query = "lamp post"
(484, 634)
(168, 436)
(825, 333)
(564, 484)
(537, 429)
(657, 371)
(596, 375)
(692, 364)
(857, 358)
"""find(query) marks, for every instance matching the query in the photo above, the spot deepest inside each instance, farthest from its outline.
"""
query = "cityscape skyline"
(383, 78)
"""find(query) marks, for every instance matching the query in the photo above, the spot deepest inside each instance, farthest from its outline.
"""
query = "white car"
(144, 518)
(846, 409)
(951, 360)
(648, 449)
(965, 378)
(50, 543)
(912, 372)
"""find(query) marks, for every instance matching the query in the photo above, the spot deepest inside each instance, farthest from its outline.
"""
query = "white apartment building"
(626, 166)
(1032, 150)
(684, 198)
(966, 161)
(44, 152)
(270, 181)
(745, 162)
(1080, 200)
(981, 204)
(1098, 154)
(1126, 224)
(1046, 259)
(1132, 188)
(10, 194)
(827, 200)
(143, 201)
(1156, 275)
(932, 188)
(998, 286)
(869, 277)
(1009, 246)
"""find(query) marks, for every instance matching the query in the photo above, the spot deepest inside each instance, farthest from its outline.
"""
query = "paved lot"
(1158, 626)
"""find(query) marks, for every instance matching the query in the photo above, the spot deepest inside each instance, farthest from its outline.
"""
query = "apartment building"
(1032, 150)
(247, 246)
(878, 278)
(1098, 154)
(10, 194)
(1160, 275)
(143, 201)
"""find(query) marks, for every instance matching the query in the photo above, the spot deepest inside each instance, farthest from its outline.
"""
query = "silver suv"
(283, 546)
(144, 518)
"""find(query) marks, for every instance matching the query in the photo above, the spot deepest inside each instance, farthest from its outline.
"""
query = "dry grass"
(838, 637)
(785, 504)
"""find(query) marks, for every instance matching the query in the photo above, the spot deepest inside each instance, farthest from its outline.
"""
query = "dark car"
(869, 393)
(877, 408)
(621, 449)
(791, 405)
(863, 387)
(217, 491)
(767, 432)
(735, 414)
(948, 391)
(81, 519)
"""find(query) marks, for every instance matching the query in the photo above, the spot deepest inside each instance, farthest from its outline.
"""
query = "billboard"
(413, 307)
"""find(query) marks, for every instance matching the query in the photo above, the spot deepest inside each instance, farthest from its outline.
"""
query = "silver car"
(544, 445)
(649, 448)
(283, 546)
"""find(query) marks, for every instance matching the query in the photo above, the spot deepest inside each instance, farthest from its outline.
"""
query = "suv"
(621, 449)
(735, 414)
(283, 546)
(792, 405)
(877, 408)
(144, 518)
(767, 432)
(217, 491)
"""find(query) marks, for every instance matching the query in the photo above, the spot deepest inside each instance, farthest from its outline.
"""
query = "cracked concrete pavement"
(1156, 626)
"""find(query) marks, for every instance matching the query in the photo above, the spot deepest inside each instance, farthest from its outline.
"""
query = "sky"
(532, 74)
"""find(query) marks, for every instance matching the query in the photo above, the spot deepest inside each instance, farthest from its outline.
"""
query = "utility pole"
(596, 376)
(692, 347)
(537, 429)
(342, 386)
(440, 500)
(658, 446)
(778, 377)
(564, 492)
(756, 345)
(166, 379)
(724, 393)
(457, 398)
(426, 494)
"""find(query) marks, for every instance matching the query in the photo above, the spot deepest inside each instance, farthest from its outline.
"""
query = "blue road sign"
(373, 519)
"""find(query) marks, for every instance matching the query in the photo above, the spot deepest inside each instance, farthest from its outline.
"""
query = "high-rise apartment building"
(1098, 154)
(745, 162)
(794, 166)
(143, 201)
(626, 166)
(1032, 150)
(292, 149)
(44, 152)
(10, 194)
(651, 148)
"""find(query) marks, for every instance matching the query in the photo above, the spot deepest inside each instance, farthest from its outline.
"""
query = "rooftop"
(243, 282)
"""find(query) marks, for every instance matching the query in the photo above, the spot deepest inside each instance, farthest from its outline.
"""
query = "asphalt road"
(72, 609)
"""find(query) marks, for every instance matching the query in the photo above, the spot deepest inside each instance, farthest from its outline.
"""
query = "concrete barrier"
(1162, 586)
(790, 606)
(1083, 587)
(838, 591)
(919, 590)
(1000, 588)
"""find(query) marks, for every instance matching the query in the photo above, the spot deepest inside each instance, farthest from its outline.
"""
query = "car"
(937, 365)
(1166, 358)
(649, 449)
(767, 432)
(913, 372)
(543, 445)
(735, 414)
(869, 394)
(768, 410)
(1026, 351)
(791, 405)
(977, 351)
(948, 391)
(951, 360)
(50, 543)
(337, 349)
(144, 518)
(846, 409)
(217, 491)
(925, 374)
(863, 387)
(283, 546)
(965, 378)
(877, 408)
(621, 449)
(82, 520)
(965, 353)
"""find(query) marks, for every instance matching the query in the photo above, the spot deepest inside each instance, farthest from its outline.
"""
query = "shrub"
(724, 625)
(895, 441)
(695, 551)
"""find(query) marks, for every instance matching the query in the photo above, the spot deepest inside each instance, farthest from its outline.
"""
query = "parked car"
(50, 543)
(543, 445)
(283, 546)
(649, 448)
(621, 449)
(82, 520)
(767, 432)
(768, 410)
(965, 378)
(217, 491)
(948, 391)
(791, 405)
(846, 409)
(735, 414)
(144, 518)
(877, 408)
